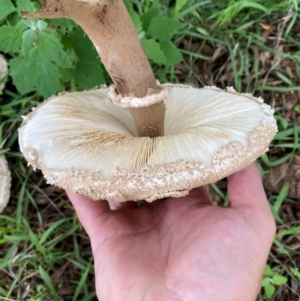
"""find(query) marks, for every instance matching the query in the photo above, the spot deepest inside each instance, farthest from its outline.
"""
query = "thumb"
(245, 188)
(246, 193)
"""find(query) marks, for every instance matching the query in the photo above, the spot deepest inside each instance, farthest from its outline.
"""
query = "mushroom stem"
(149, 120)
(112, 32)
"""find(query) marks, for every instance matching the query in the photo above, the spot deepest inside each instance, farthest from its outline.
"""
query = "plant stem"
(111, 30)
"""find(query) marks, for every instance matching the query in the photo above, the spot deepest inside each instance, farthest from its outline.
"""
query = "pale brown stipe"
(5, 183)
(149, 120)
(111, 30)
(209, 134)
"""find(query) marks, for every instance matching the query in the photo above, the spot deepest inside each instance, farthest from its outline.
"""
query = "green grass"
(45, 254)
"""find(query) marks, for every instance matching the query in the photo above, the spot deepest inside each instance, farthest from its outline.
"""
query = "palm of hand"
(177, 249)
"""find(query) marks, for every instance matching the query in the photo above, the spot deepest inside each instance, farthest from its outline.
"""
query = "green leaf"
(269, 290)
(66, 75)
(178, 7)
(281, 197)
(148, 16)
(47, 279)
(172, 54)
(34, 72)
(51, 48)
(29, 39)
(64, 25)
(284, 124)
(89, 71)
(161, 75)
(268, 271)
(231, 11)
(46, 79)
(10, 38)
(18, 68)
(41, 25)
(83, 47)
(135, 19)
(282, 248)
(88, 76)
(6, 8)
(154, 52)
(162, 28)
(265, 282)
(296, 272)
(81, 283)
(26, 5)
(279, 280)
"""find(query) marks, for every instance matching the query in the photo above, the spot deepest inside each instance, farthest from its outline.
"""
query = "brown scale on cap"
(110, 28)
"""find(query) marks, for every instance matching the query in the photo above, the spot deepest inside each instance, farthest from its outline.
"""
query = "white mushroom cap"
(5, 182)
(3, 71)
(85, 144)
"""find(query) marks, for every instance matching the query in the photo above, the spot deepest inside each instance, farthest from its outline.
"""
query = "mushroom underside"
(91, 146)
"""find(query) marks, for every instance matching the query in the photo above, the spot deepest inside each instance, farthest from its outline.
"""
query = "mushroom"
(5, 182)
(94, 148)
(139, 140)
(3, 72)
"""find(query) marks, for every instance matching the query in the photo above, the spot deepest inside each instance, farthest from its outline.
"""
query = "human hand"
(182, 249)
